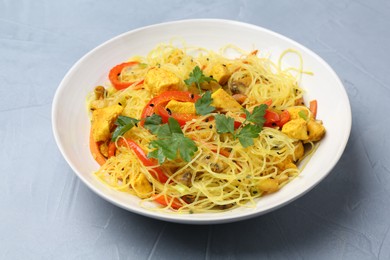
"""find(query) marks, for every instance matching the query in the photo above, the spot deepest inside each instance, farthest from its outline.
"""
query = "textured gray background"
(47, 213)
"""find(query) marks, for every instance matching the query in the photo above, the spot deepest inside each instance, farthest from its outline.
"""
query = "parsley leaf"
(257, 116)
(185, 145)
(197, 77)
(153, 123)
(224, 124)
(248, 130)
(174, 126)
(171, 143)
(124, 124)
(203, 105)
(165, 149)
(247, 133)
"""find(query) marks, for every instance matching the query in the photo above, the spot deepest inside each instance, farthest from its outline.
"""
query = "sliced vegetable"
(95, 151)
(111, 149)
(222, 151)
(116, 71)
(284, 118)
(166, 114)
(157, 172)
(271, 118)
(313, 108)
(302, 114)
(168, 201)
(164, 98)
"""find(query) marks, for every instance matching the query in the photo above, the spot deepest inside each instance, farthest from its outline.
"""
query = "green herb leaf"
(197, 77)
(152, 120)
(154, 124)
(203, 105)
(224, 124)
(171, 143)
(142, 65)
(174, 126)
(257, 116)
(302, 115)
(185, 146)
(248, 130)
(124, 124)
(247, 133)
(165, 149)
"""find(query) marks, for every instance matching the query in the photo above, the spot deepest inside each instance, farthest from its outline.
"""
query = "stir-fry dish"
(190, 131)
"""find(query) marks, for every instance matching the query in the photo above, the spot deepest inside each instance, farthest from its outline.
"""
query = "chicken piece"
(158, 80)
(222, 100)
(315, 130)
(99, 103)
(294, 112)
(212, 86)
(141, 186)
(102, 121)
(220, 73)
(299, 151)
(269, 185)
(104, 149)
(181, 107)
(296, 128)
(286, 164)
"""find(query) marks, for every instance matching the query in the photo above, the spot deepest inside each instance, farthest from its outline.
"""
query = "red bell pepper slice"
(284, 118)
(111, 149)
(116, 71)
(313, 108)
(157, 172)
(164, 98)
(166, 200)
(95, 151)
(180, 118)
(271, 118)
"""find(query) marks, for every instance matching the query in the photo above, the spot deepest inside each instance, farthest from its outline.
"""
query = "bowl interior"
(71, 123)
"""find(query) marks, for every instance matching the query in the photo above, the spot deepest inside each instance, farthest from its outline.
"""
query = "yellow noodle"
(244, 169)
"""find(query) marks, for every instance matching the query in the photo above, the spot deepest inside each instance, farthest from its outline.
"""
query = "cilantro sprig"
(248, 130)
(171, 141)
(197, 77)
(124, 124)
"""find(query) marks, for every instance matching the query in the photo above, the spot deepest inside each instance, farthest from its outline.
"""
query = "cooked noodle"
(214, 180)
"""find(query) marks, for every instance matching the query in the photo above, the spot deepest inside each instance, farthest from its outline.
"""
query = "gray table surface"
(47, 213)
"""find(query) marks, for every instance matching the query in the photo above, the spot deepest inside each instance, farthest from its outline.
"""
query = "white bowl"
(71, 123)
